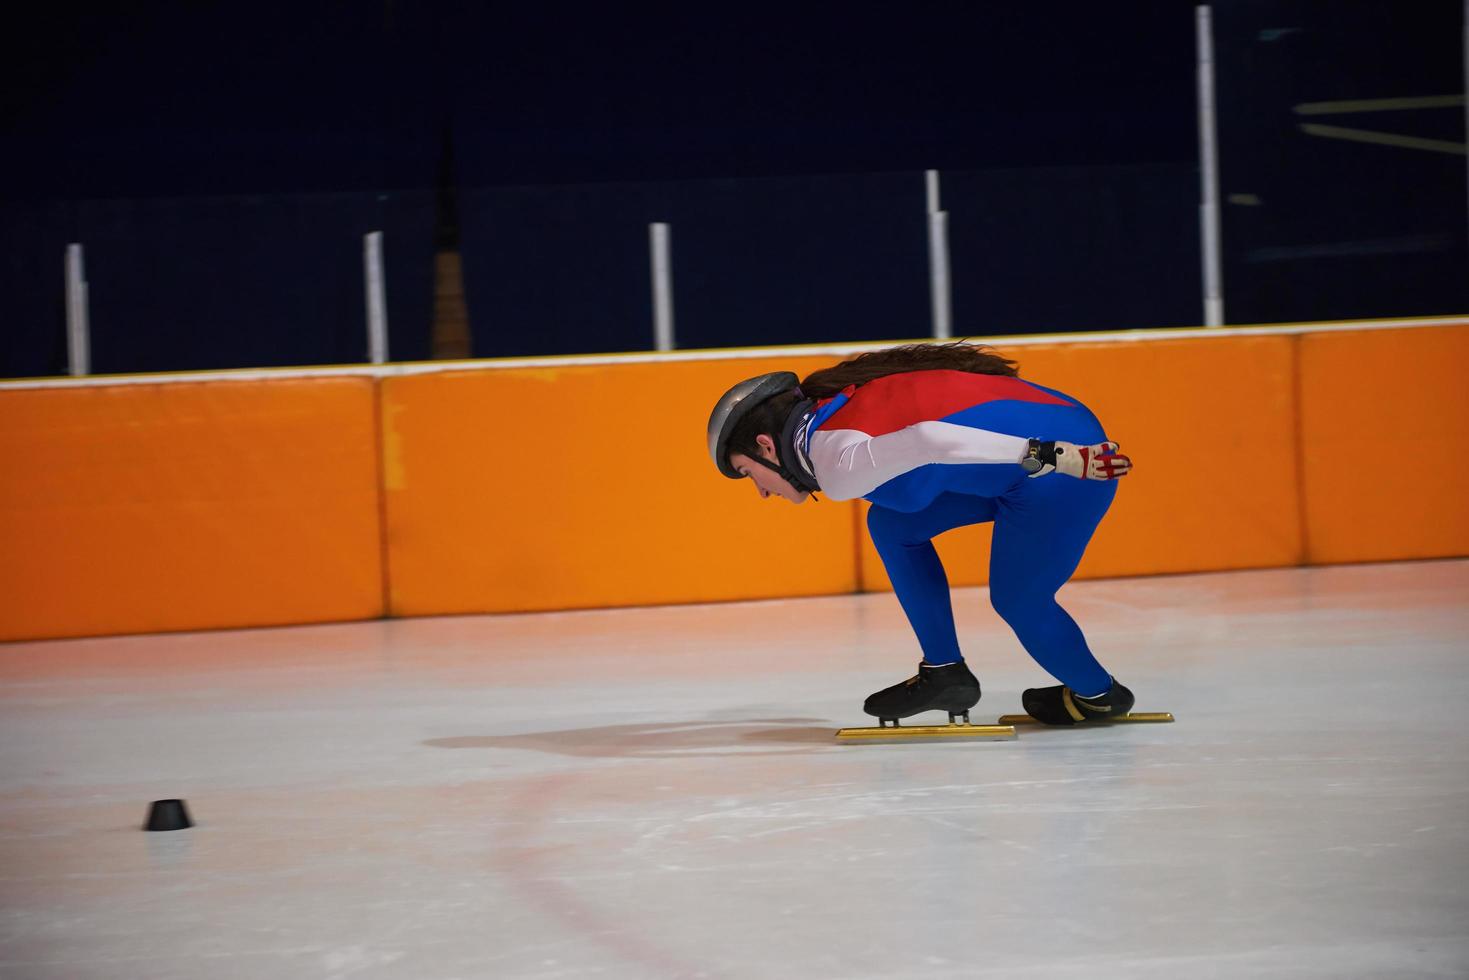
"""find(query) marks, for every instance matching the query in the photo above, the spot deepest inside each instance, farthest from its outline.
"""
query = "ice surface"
(657, 793)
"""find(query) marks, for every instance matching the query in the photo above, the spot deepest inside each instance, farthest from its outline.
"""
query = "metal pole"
(938, 260)
(658, 245)
(1209, 226)
(78, 331)
(377, 302)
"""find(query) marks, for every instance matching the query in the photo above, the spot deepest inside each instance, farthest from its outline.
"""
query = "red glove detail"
(1104, 462)
(1099, 462)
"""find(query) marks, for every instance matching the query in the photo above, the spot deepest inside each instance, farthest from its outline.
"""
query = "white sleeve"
(851, 464)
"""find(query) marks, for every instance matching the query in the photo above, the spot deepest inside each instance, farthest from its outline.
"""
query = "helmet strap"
(788, 466)
(796, 481)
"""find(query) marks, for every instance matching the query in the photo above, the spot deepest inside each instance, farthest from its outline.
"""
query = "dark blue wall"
(206, 282)
(1328, 228)
(220, 162)
(1041, 250)
(829, 259)
(33, 239)
(755, 261)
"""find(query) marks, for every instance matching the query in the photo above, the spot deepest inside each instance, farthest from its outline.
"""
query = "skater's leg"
(905, 544)
(1041, 530)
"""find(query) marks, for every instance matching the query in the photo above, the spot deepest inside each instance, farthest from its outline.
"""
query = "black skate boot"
(948, 687)
(1060, 705)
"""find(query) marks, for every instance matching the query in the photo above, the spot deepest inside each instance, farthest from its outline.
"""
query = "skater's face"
(766, 480)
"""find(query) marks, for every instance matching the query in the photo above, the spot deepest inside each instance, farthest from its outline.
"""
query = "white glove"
(1099, 462)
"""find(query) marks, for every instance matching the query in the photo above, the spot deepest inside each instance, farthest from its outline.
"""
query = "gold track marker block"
(1133, 717)
(927, 733)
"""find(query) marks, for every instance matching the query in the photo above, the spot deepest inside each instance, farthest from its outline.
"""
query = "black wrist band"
(1038, 455)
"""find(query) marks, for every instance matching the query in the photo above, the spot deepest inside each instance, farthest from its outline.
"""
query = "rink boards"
(238, 499)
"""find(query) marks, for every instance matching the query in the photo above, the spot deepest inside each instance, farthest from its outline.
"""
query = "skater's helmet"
(735, 405)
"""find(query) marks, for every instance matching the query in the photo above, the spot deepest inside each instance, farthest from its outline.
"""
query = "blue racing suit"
(935, 450)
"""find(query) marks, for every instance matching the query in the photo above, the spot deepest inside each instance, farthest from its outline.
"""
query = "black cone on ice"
(168, 815)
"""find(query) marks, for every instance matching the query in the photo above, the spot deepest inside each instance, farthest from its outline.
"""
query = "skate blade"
(1135, 716)
(927, 733)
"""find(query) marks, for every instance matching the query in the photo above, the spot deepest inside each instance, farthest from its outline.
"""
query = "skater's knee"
(1004, 601)
(1018, 602)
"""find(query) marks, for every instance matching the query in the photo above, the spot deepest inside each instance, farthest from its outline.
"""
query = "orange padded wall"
(142, 508)
(1209, 424)
(1384, 430)
(572, 487)
(232, 503)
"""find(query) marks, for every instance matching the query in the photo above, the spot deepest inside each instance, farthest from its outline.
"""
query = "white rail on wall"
(940, 295)
(78, 326)
(1210, 232)
(661, 262)
(377, 302)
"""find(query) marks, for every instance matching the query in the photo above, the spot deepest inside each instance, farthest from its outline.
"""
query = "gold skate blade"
(1135, 716)
(927, 733)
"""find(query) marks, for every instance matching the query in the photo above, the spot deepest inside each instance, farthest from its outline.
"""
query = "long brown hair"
(769, 417)
(957, 356)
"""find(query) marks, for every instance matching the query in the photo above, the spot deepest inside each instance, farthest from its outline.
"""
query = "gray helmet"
(735, 405)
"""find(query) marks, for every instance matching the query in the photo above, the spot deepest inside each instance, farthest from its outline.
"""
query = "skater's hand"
(1099, 462)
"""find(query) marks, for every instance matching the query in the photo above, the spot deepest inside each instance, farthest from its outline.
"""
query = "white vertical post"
(938, 259)
(377, 305)
(78, 333)
(658, 246)
(1209, 227)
